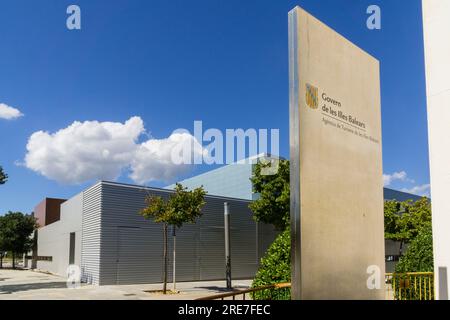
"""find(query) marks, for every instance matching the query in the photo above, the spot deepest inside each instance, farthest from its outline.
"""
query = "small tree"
(16, 229)
(3, 176)
(273, 204)
(419, 255)
(181, 207)
(404, 220)
(418, 258)
(2, 244)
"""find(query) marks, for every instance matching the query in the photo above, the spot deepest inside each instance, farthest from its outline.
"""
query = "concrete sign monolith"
(336, 165)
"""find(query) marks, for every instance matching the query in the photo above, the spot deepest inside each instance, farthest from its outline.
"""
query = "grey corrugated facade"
(115, 245)
(118, 246)
(234, 180)
(91, 235)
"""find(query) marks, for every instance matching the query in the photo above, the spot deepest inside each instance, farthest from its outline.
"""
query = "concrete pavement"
(32, 285)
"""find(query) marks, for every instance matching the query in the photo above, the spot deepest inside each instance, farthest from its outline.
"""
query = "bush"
(275, 268)
(418, 258)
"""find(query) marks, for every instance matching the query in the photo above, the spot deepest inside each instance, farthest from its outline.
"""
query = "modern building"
(101, 231)
(234, 181)
(48, 211)
(436, 27)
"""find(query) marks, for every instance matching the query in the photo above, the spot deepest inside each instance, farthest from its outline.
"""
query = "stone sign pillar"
(336, 165)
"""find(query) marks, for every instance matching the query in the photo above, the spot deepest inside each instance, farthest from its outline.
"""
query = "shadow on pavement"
(9, 289)
(222, 289)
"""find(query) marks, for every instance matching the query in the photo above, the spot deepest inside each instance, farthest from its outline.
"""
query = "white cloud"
(165, 159)
(422, 190)
(84, 151)
(396, 176)
(93, 150)
(9, 113)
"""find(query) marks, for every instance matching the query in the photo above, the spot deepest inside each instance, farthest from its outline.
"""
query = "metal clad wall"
(131, 247)
(91, 236)
(126, 232)
(228, 181)
(265, 237)
(135, 262)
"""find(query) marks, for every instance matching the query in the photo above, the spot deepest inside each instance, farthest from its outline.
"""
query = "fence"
(399, 286)
(410, 286)
(276, 291)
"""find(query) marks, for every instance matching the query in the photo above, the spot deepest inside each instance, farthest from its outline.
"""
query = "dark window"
(392, 258)
(48, 259)
(72, 248)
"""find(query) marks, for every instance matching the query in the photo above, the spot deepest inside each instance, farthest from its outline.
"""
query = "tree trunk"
(1, 261)
(13, 260)
(174, 272)
(165, 260)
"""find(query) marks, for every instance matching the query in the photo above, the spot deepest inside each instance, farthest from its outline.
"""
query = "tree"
(3, 176)
(16, 229)
(2, 245)
(3, 242)
(403, 221)
(181, 207)
(419, 255)
(417, 258)
(273, 205)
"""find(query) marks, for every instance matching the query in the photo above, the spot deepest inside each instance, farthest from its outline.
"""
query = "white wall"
(436, 16)
(54, 239)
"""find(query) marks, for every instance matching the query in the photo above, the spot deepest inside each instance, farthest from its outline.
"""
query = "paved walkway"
(31, 285)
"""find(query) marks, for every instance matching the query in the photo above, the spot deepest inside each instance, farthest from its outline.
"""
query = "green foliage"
(16, 229)
(182, 207)
(392, 229)
(410, 223)
(418, 215)
(419, 256)
(275, 268)
(3, 176)
(273, 205)
(404, 220)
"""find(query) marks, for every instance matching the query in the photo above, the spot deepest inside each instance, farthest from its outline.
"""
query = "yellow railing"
(235, 295)
(410, 286)
(399, 286)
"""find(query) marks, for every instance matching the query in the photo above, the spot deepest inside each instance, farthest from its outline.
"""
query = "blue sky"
(173, 62)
